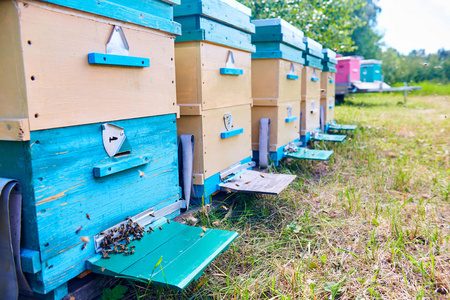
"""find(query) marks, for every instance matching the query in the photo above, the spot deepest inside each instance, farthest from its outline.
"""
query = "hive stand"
(213, 75)
(328, 90)
(276, 90)
(88, 129)
(311, 94)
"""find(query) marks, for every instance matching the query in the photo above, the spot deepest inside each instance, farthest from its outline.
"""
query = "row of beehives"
(89, 93)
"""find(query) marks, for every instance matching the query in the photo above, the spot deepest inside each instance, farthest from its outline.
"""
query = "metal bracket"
(143, 219)
(235, 169)
(117, 43)
(289, 111)
(292, 69)
(228, 121)
(113, 138)
(230, 60)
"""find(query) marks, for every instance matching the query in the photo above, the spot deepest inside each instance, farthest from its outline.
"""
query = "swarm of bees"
(116, 240)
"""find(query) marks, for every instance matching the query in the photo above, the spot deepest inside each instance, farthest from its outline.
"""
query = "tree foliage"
(330, 22)
(367, 39)
(417, 66)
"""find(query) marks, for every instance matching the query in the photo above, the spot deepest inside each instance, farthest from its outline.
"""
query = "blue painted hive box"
(371, 70)
(276, 84)
(88, 128)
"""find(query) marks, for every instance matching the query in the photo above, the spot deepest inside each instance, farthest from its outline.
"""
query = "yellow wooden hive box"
(214, 150)
(327, 96)
(277, 97)
(46, 80)
(310, 105)
(200, 84)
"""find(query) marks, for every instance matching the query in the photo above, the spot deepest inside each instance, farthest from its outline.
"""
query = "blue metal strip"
(118, 60)
(234, 132)
(292, 77)
(291, 119)
(230, 71)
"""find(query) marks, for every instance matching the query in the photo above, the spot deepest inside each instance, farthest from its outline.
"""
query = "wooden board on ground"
(258, 183)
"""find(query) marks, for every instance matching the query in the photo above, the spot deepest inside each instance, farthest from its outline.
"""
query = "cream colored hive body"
(277, 98)
(50, 84)
(327, 96)
(310, 105)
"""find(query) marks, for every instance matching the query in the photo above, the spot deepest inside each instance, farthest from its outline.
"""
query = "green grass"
(372, 223)
(430, 88)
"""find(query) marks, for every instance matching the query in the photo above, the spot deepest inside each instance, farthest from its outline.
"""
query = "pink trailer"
(348, 67)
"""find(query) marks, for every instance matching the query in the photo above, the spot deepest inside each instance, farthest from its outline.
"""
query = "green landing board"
(310, 154)
(339, 138)
(342, 127)
(183, 251)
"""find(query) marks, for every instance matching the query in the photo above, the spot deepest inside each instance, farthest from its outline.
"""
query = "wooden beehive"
(370, 70)
(48, 81)
(217, 148)
(311, 86)
(276, 83)
(58, 87)
(213, 74)
(328, 87)
(200, 84)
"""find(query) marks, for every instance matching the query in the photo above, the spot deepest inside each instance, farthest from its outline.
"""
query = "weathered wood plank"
(258, 183)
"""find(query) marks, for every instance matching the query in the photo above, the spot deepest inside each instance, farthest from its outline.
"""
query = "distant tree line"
(416, 66)
(349, 27)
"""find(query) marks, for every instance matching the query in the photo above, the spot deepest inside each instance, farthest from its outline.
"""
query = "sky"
(415, 24)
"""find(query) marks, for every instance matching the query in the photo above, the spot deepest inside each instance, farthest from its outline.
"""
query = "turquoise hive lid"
(278, 30)
(313, 48)
(153, 14)
(276, 38)
(329, 55)
(225, 22)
